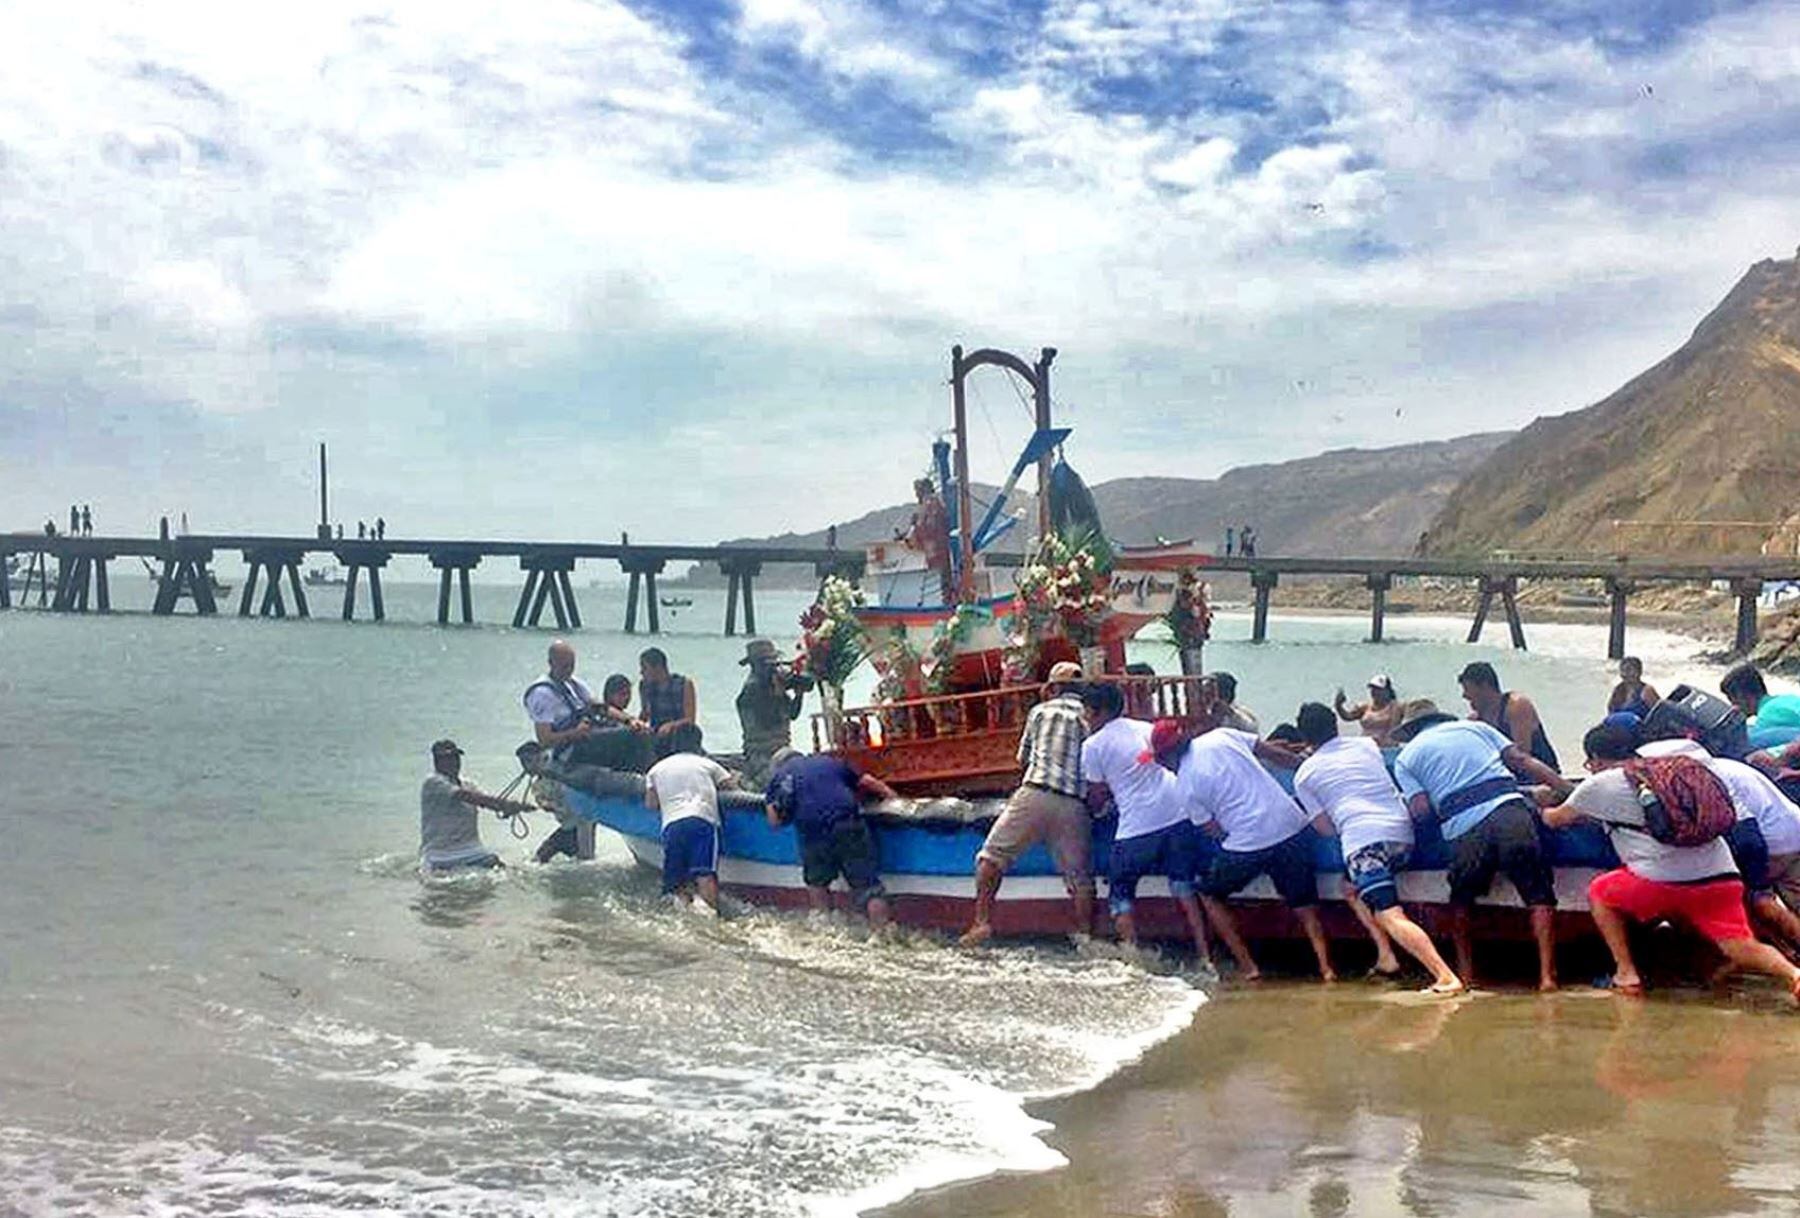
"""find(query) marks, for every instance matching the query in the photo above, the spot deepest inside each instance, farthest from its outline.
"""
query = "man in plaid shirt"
(1047, 807)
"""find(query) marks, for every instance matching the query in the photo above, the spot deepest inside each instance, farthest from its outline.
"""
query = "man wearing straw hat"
(767, 704)
(1467, 774)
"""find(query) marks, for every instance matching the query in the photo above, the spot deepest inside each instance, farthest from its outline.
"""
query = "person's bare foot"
(1628, 986)
(976, 935)
(1547, 985)
(1328, 977)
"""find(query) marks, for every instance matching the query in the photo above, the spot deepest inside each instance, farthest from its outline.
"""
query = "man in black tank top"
(1515, 715)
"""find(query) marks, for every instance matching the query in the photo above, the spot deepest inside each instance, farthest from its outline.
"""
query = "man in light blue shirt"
(1467, 774)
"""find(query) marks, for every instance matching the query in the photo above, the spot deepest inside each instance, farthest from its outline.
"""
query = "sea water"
(225, 988)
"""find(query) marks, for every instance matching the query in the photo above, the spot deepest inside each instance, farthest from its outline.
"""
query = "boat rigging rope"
(516, 823)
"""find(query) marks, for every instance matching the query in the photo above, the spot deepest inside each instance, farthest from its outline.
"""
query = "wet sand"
(1361, 1100)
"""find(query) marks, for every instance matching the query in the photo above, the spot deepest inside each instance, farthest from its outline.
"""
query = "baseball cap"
(1063, 671)
(444, 747)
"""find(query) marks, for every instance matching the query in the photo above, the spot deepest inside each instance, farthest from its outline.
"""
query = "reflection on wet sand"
(1297, 1100)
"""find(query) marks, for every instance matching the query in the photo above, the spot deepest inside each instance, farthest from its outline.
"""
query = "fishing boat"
(329, 576)
(963, 653)
(675, 602)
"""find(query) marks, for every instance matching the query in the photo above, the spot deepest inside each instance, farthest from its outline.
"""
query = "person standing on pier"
(1246, 542)
(1467, 774)
(87, 521)
(74, 521)
(162, 529)
(1344, 784)
(380, 529)
(1513, 714)
(449, 834)
(1046, 808)
(362, 531)
(666, 700)
(1230, 540)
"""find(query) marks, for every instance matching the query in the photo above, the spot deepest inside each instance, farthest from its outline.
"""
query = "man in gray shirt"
(449, 837)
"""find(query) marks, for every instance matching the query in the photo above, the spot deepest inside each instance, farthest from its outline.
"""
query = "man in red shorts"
(1696, 885)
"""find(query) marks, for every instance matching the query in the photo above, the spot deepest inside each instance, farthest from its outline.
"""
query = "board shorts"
(1715, 908)
(1374, 872)
(1750, 851)
(847, 848)
(690, 850)
(1506, 841)
(1175, 851)
(1288, 864)
(1037, 814)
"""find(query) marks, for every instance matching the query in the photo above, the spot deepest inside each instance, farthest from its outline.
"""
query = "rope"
(516, 824)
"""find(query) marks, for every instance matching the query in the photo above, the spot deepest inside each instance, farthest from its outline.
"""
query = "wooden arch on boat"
(1039, 379)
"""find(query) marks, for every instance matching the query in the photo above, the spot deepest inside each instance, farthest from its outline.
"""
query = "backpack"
(1684, 803)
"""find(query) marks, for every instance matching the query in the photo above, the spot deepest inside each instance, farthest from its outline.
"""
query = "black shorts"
(1750, 851)
(846, 849)
(1506, 841)
(1288, 864)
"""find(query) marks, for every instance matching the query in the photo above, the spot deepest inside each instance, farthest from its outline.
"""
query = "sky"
(693, 269)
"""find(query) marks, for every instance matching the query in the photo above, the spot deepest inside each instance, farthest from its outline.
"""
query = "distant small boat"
(675, 602)
(218, 589)
(326, 577)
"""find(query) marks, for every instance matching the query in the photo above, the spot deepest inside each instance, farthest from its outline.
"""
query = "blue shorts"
(690, 850)
(1176, 851)
(1372, 872)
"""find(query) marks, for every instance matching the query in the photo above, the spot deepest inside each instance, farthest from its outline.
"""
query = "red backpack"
(1684, 803)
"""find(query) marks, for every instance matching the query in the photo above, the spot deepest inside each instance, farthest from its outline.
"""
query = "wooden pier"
(70, 574)
(182, 569)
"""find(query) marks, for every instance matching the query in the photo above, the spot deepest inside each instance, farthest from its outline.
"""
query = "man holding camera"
(560, 705)
(767, 705)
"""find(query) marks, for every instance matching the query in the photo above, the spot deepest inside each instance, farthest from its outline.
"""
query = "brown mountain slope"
(1712, 433)
(1366, 502)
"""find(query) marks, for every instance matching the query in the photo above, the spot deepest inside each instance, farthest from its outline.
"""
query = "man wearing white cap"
(1047, 807)
(1379, 716)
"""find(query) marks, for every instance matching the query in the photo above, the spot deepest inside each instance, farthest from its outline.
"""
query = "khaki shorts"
(1034, 815)
(1784, 878)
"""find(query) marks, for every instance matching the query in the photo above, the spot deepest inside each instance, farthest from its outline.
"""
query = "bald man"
(560, 705)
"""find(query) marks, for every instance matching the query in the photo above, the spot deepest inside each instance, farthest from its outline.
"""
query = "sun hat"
(1416, 716)
(758, 649)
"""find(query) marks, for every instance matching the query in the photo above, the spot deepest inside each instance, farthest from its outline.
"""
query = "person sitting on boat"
(1226, 790)
(1515, 715)
(1765, 841)
(1047, 806)
(615, 703)
(560, 704)
(449, 835)
(1467, 773)
(1379, 716)
(666, 699)
(1699, 884)
(1154, 835)
(684, 786)
(1632, 696)
(1769, 715)
(821, 796)
(551, 775)
(929, 533)
(1229, 713)
(767, 706)
(1344, 785)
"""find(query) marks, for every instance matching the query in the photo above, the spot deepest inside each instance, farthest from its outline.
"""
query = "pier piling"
(740, 575)
(546, 581)
(273, 565)
(1617, 592)
(643, 571)
(1378, 588)
(457, 564)
(1747, 591)
(1263, 581)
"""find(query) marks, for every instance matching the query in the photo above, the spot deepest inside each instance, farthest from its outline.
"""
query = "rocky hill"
(1351, 501)
(1712, 433)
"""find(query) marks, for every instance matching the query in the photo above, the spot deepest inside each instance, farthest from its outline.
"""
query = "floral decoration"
(1066, 589)
(832, 642)
(1189, 619)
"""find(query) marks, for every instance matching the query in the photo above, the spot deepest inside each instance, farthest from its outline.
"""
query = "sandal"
(1445, 989)
(1628, 989)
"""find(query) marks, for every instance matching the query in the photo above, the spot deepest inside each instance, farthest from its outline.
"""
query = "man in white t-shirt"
(560, 703)
(684, 787)
(1261, 830)
(1698, 885)
(1344, 785)
(1154, 836)
(1766, 840)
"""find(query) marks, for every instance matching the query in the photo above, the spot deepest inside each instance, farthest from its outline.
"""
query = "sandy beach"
(1364, 1100)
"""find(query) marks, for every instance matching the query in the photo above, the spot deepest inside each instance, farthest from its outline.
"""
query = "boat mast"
(1040, 396)
(965, 508)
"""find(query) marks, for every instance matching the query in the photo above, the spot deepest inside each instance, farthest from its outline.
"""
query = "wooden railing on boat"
(967, 743)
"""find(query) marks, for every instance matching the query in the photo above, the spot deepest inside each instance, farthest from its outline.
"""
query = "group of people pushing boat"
(1704, 831)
